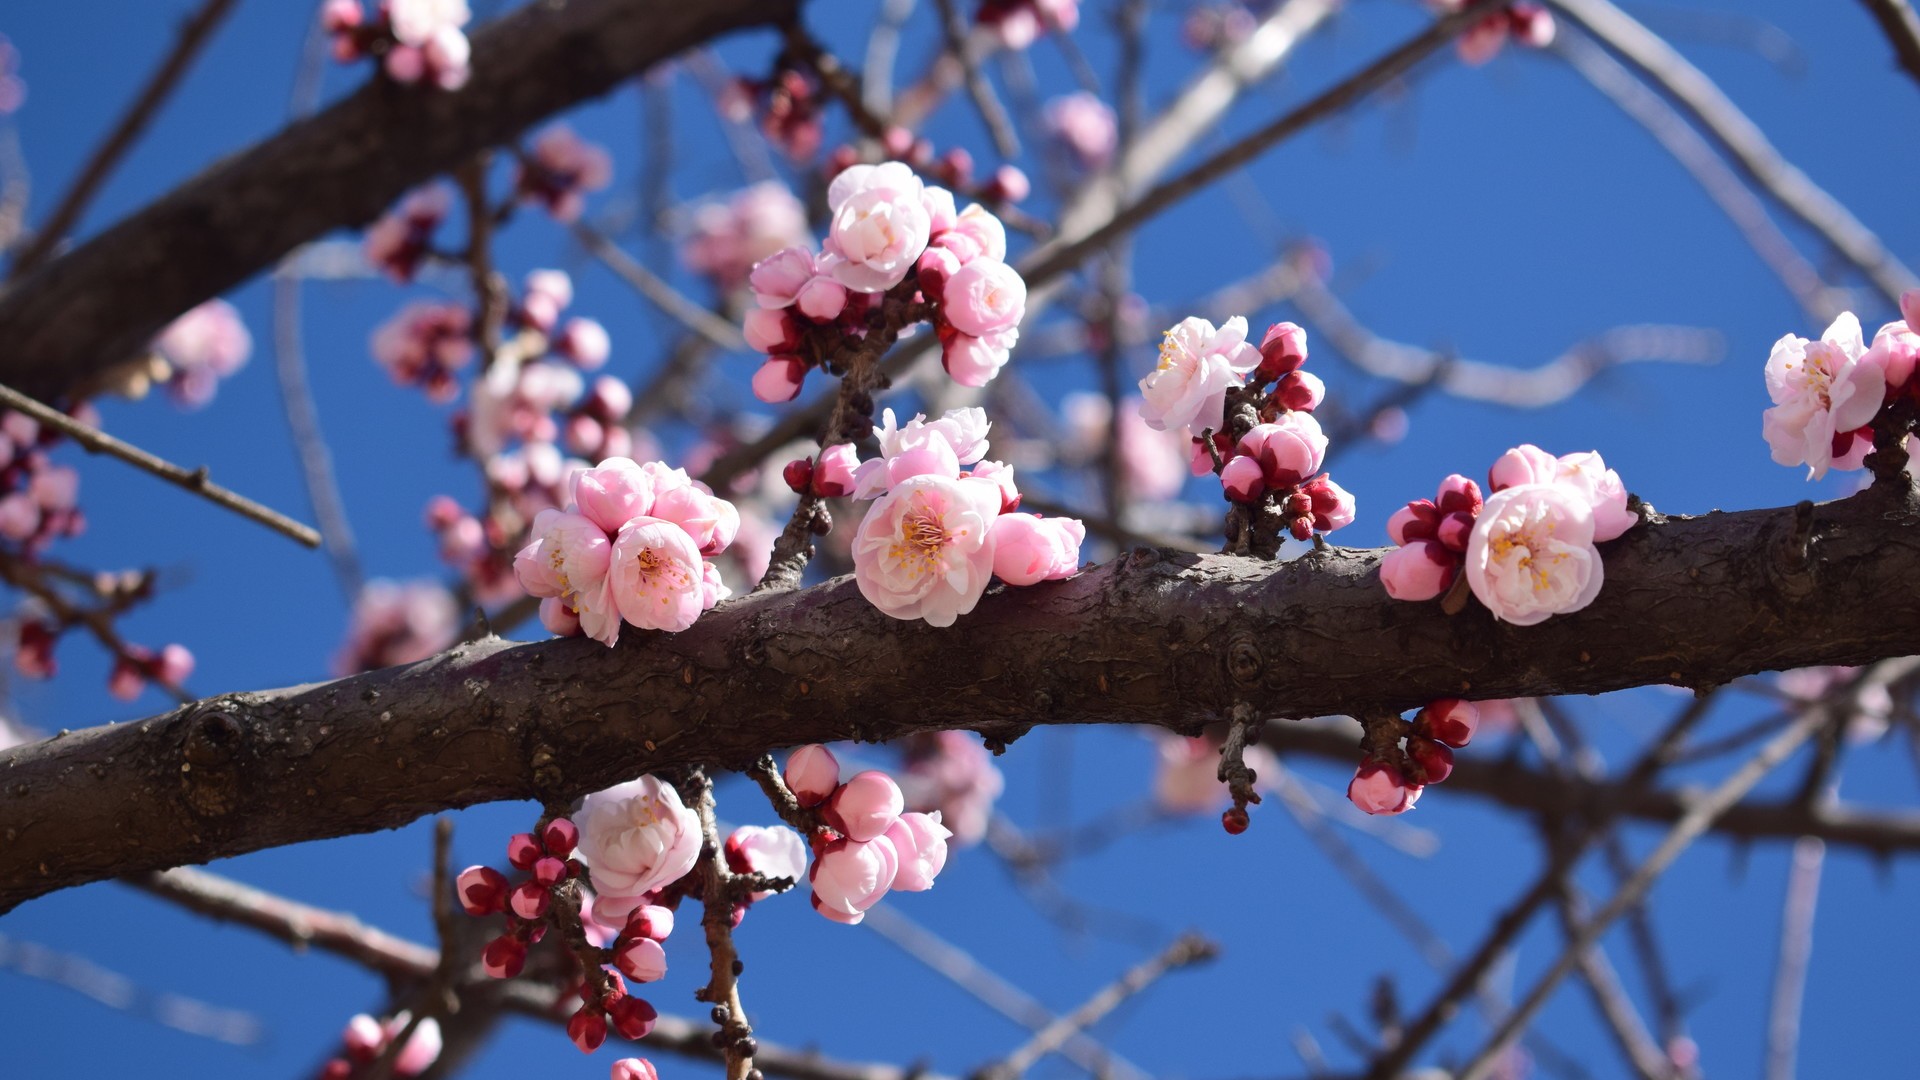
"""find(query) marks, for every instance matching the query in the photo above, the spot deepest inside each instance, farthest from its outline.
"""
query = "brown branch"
(95, 441)
(194, 34)
(93, 307)
(671, 301)
(1180, 638)
(993, 114)
(1902, 27)
(1742, 140)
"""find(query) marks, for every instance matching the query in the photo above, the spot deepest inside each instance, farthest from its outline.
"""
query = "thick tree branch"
(1177, 638)
(97, 305)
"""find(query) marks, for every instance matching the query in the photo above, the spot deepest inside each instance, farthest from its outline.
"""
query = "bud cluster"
(1402, 759)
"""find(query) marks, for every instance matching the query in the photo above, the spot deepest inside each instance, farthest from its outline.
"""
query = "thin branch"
(675, 304)
(1743, 141)
(1902, 27)
(993, 114)
(1796, 955)
(194, 33)
(1188, 949)
(95, 441)
(115, 991)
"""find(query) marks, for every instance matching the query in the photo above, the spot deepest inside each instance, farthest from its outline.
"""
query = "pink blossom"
(711, 521)
(1531, 554)
(1288, 450)
(656, 575)
(865, 806)
(1028, 549)
(950, 771)
(779, 379)
(812, 773)
(394, 623)
(771, 330)
(1584, 473)
(424, 344)
(1820, 391)
(728, 238)
(642, 960)
(1910, 308)
(1002, 474)
(585, 342)
(822, 299)
(568, 557)
(922, 448)
(1009, 184)
(561, 168)
(1020, 22)
(55, 487)
(848, 877)
(777, 279)
(546, 294)
(923, 553)
(634, 1069)
(650, 921)
(879, 225)
(920, 840)
(1381, 789)
(635, 837)
(1301, 390)
(399, 240)
(1085, 125)
(1243, 480)
(366, 1039)
(975, 234)
(1449, 720)
(1333, 505)
(1282, 350)
(833, 471)
(612, 493)
(414, 22)
(1418, 570)
(770, 851)
(984, 297)
(974, 361)
(207, 344)
(1197, 364)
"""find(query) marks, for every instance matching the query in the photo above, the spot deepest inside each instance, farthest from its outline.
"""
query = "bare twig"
(194, 34)
(1796, 954)
(95, 441)
(664, 296)
(1902, 27)
(1189, 948)
(992, 113)
(116, 991)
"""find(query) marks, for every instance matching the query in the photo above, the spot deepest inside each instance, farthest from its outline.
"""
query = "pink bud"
(642, 960)
(822, 299)
(1525, 464)
(920, 841)
(633, 1018)
(558, 618)
(779, 379)
(812, 773)
(609, 400)
(1420, 570)
(481, 890)
(1333, 505)
(549, 872)
(1009, 185)
(1459, 495)
(1531, 24)
(1450, 720)
(1282, 350)
(126, 680)
(523, 850)
(799, 475)
(650, 921)
(587, 1029)
(865, 806)
(174, 665)
(503, 957)
(936, 266)
(1454, 530)
(1379, 789)
(1300, 390)
(338, 15)
(833, 476)
(530, 900)
(849, 877)
(1435, 759)
(1910, 309)
(1418, 520)
(1242, 480)
(771, 330)
(634, 1069)
(777, 279)
(560, 837)
(585, 342)
(1289, 450)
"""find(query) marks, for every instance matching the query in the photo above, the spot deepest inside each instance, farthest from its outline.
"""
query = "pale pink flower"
(713, 588)
(1288, 450)
(848, 877)
(1381, 789)
(414, 22)
(865, 806)
(1198, 362)
(984, 297)
(55, 487)
(975, 234)
(1820, 391)
(710, 520)
(879, 225)
(812, 773)
(585, 342)
(1028, 549)
(656, 576)
(634, 1069)
(635, 837)
(833, 470)
(568, 557)
(1585, 473)
(727, 238)
(546, 293)
(207, 344)
(612, 493)
(920, 841)
(777, 279)
(821, 299)
(779, 379)
(923, 553)
(770, 851)
(1531, 553)
(642, 960)
(922, 447)
(1085, 125)
(974, 361)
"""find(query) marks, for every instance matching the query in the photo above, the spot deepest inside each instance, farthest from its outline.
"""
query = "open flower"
(1028, 548)
(1198, 362)
(921, 843)
(879, 226)
(568, 559)
(1585, 472)
(1531, 553)
(656, 576)
(849, 877)
(922, 551)
(635, 837)
(1820, 393)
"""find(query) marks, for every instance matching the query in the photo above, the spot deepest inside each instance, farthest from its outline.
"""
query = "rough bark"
(1152, 637)
(100, 303)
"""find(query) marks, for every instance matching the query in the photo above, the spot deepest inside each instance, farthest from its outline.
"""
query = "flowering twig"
(721, 892)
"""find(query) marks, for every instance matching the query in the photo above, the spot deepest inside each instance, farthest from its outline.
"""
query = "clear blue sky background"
(1506, 212)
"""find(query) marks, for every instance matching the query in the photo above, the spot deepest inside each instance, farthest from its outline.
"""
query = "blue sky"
(1505, 212)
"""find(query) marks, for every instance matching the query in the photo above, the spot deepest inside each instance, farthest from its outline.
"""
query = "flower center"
(1529, 546)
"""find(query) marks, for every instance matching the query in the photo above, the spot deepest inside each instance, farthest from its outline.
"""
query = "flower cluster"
(198, 349)
(949, 773)
(632, 545)
(870, 843)
(887, 226)
(636, 834)
(1397, 769)
(726, 238)
(397, 622)
(560, 171)
(1827, 393)
(935, 534)
(1527, 549)
(366, 1039)
(790, 105)
(396, 244)
(1526, 22)
(425, 344)
(1019, 23)
(416, 40)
